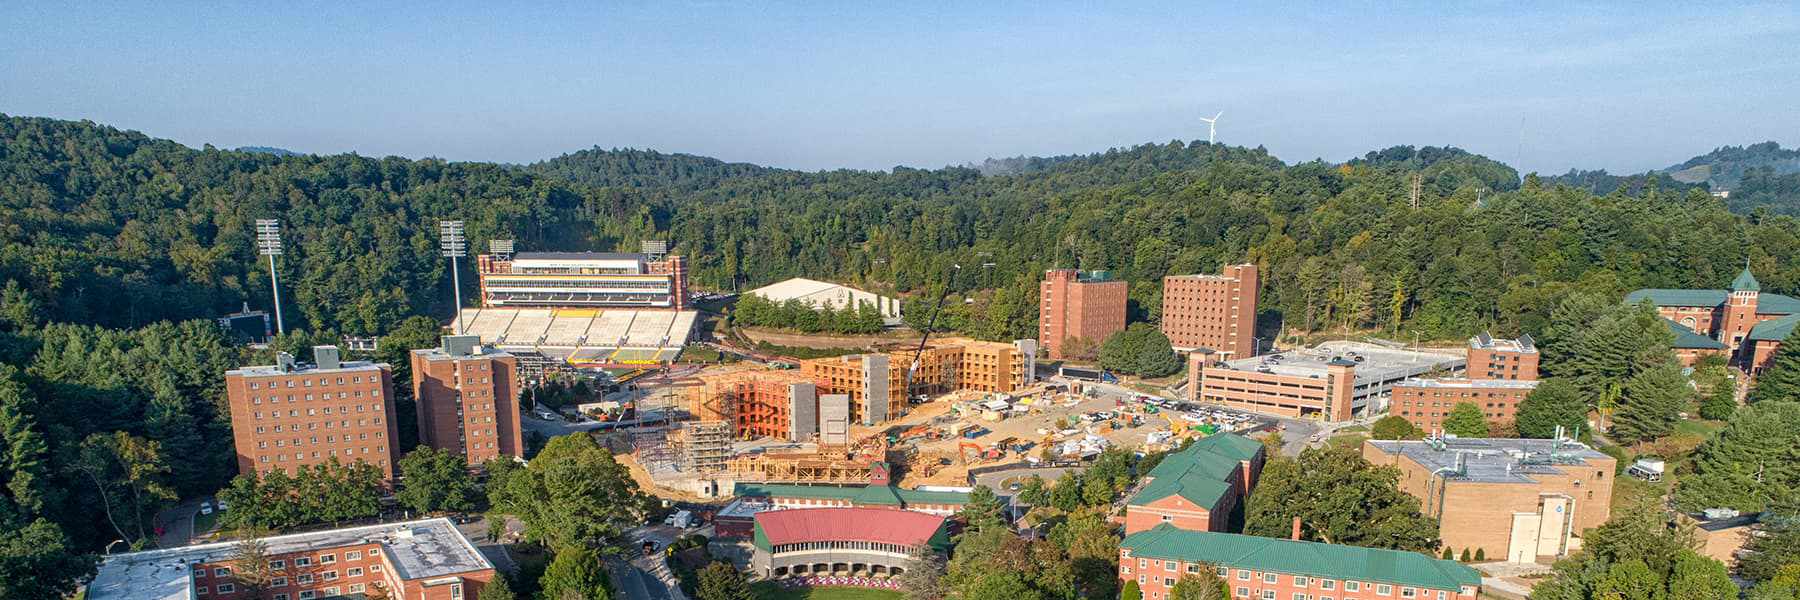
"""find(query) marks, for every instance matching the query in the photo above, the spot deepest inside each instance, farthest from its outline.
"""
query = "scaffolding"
(706, 446)
(828, 465)
(755, 403)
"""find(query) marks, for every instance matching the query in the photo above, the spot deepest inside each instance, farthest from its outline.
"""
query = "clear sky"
(1626, 87)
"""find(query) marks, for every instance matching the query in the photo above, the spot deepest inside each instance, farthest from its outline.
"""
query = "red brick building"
(1217, 312)
(468, 399)
(1496, 358)
(1425, 402)
(1075, 304)
(1201, 488)
(1278, 569)
(291, 414)
(415, 560)
(1747, 322)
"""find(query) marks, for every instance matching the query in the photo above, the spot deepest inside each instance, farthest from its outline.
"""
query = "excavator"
(963, 447)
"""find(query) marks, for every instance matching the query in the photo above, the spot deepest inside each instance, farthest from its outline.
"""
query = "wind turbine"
(1212, 126)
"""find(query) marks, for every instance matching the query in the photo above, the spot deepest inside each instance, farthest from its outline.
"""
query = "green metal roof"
(1745, 282)
(1776, 304)
(1662, 297)
(1199, 473)
(879, 495)
(1312, 559)
(1686, 338)
(1774, 330)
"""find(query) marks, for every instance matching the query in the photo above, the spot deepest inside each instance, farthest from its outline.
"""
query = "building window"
(281, 597)
(353, 555)
(353, 572)
(306, 595)
(1407, 592)
(1242, 592)
(303, 579)
(326, 559)
(1269, 577)
(1382, 589)
(201, 591)
(330, 575)
(221, 571)
(1243, 575)
(1353, 586)
(356, 588)
(1300, 580)
(276, 582)
(1327, 584)
(226, 588)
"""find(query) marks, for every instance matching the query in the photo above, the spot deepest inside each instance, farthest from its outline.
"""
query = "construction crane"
(936, 309)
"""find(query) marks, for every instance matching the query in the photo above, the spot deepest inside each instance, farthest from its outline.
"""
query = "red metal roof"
(884, 525)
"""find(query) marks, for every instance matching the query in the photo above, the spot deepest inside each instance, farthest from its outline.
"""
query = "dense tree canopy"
(1750, 464)
(1554, 402)
(1340, 498)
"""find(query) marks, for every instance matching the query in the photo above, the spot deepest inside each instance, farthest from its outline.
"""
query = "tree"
(435, 480)
(1003, 584)
(250, 564)
(1775, 547)
(37, 562)
(1748, 465)
(496, 589)
(1131, 591)
(1141, 350)
(1066, 495)
(983, 510)
(1394, 427)
(721, 581)
(1780, 382)
(1697, 577)
(1204, 586)
(1650, 402)
(128, 473)
(922, 579)
(1720, 402)
(575, 574)
(1628, 580)
(1340, 498)
(573, 495)
(1466, 420)
(1553, 403)
(1033, 492)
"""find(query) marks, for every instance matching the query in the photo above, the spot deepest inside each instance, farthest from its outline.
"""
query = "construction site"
(783, 426)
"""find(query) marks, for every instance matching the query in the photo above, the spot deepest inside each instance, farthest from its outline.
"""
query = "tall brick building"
(1216, 312)
(1746, 321)
(468, 399)
(1500, 373)
(291, 414)
(1088, 305)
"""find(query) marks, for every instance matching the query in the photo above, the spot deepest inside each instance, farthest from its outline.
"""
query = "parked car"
(206, 508)
(222, 505)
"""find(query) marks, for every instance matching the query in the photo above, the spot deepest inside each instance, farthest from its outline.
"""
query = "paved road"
(178, 523)
(1000, 480)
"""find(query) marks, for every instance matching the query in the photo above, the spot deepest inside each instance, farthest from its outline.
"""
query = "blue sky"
(1625, 87)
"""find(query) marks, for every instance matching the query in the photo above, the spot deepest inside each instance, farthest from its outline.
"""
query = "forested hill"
(111, 227)
(1759, 176)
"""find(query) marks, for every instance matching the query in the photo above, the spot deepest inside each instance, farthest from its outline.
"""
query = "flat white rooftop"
(1471, 384)
(1372, 361)
(417, 549)
(344, 367)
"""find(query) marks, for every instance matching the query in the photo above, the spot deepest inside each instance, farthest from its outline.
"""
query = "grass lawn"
(1699, 427)
(1631, 491)
(767, 591)
(205, 523)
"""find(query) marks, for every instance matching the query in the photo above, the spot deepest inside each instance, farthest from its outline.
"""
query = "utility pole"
(450, 239)
(268, 242)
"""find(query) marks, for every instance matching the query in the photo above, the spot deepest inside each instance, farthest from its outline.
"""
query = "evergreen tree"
(496, 589)
(1394, 427)
(1780, 382)
(1629, 580)
(721, 581)
(1466, 420)
(1720, 402)
(983, 510)
(1552, 403)
(1775, 549)
(1066, 495)
(1697, 577)
(1033, 492)
(1131, 591)
(1650, 402)
(1155, 358)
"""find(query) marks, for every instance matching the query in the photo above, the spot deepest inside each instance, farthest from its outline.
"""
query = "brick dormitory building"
(467, 395)
(416, 560)
(1215, 312)
(1498, 376)
(291, 414)
(1178, 523)
(1086, 305)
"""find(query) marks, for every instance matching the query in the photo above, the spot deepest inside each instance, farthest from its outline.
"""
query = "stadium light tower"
(268, 243)
(450, 238)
